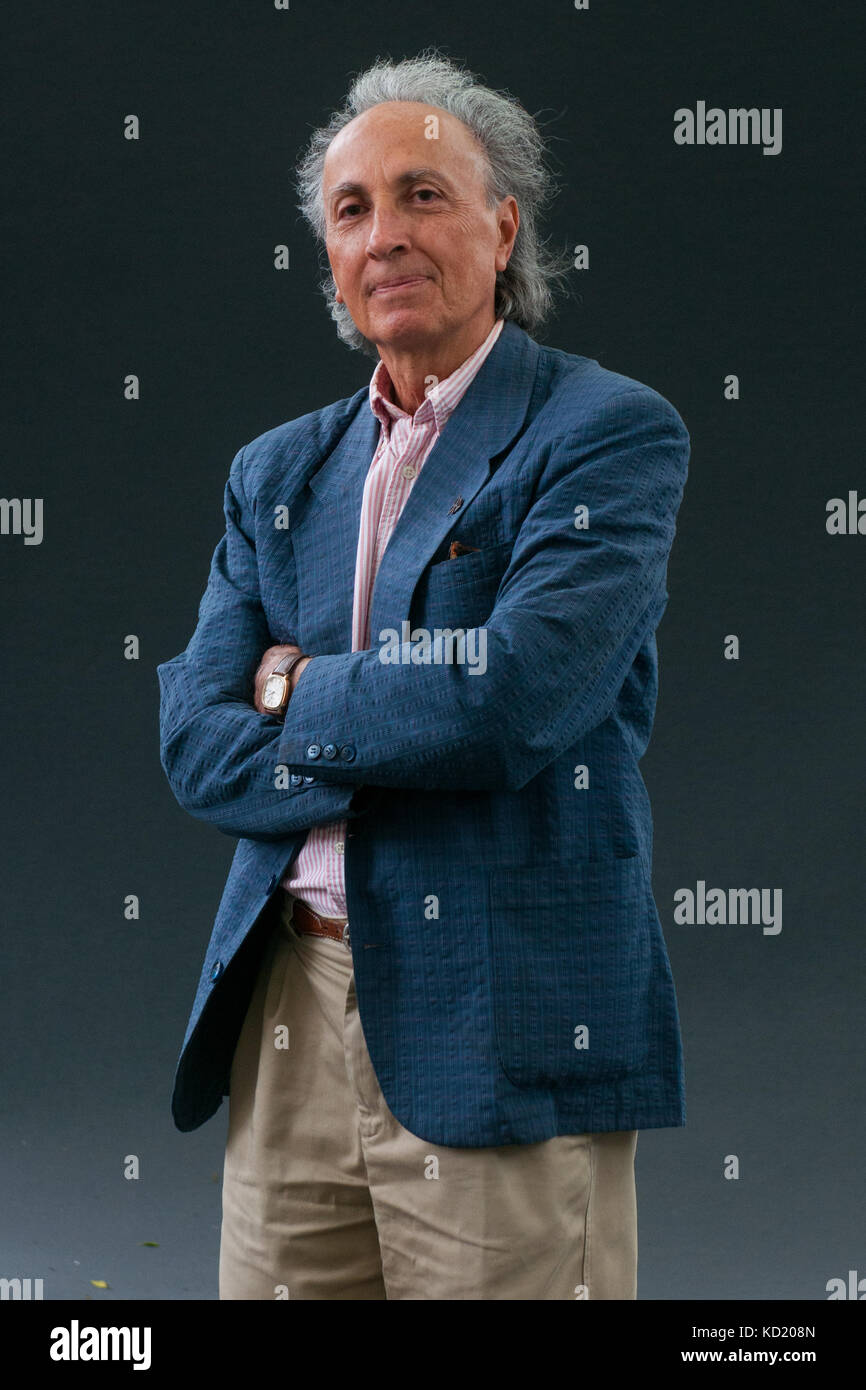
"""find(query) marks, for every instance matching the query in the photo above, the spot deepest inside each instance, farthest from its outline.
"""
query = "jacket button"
(308, 781)
(347, 753)
(329, 751)
(313, 750)
(217, 970)
(295, 779)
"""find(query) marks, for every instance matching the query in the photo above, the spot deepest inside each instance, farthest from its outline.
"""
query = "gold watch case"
(275, 692)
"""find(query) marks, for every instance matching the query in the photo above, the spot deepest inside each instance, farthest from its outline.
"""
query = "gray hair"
(514, 154)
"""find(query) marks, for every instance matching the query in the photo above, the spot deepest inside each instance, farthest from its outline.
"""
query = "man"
(437, 992)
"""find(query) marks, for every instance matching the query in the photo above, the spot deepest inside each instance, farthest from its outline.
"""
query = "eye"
(345, 208)
(426, 190)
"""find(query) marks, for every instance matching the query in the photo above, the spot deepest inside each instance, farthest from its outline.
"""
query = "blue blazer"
(511, 972)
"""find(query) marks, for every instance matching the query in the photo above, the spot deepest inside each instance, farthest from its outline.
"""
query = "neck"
(411, 367)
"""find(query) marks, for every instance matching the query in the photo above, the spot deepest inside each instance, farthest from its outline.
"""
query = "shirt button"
(339, 847)
(409, 470)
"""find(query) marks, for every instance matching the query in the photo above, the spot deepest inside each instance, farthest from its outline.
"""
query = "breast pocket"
(571, 971)
(461, 592)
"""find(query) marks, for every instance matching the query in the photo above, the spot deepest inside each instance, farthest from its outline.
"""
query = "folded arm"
(572, 611)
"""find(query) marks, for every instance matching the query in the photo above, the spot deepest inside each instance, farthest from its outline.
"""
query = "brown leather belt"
(305, 920)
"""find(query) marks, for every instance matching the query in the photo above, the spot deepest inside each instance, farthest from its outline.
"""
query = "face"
(401, 207)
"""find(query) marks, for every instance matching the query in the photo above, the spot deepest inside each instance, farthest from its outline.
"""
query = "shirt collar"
(441, 400)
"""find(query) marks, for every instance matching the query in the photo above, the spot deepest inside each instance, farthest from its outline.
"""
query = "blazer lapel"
(325, 538)
(489, 415)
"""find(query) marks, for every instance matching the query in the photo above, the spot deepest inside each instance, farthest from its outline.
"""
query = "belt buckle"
(345, 937)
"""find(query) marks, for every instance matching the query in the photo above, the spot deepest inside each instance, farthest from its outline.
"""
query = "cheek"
(345, 262)
(469, 275)
(471, 256)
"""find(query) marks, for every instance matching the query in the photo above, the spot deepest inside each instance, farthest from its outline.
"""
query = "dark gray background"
(155, 257)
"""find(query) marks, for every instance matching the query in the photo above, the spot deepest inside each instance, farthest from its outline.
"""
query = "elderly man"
(437, 992)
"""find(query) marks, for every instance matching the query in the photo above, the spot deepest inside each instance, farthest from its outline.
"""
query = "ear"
(508, 225)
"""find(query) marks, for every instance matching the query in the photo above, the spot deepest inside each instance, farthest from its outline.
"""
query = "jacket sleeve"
(571, 613)
(220, 755)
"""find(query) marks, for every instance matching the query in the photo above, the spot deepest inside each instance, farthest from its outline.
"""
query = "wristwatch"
(277, 689)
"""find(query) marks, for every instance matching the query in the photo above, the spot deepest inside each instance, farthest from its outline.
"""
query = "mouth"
(407, 282)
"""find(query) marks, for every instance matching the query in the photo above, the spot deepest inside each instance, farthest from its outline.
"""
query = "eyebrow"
(407, 177)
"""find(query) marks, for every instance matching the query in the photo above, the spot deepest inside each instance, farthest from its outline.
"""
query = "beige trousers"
(326, 1196)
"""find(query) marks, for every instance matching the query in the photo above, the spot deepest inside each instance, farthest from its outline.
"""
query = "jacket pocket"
(461, 591)
(571, 963)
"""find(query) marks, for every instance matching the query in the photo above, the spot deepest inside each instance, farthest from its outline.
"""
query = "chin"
(404, 323)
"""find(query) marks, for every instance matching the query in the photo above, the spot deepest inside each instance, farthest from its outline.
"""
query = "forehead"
(387, 134)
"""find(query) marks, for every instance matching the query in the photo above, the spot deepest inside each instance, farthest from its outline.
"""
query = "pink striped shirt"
(315, 875)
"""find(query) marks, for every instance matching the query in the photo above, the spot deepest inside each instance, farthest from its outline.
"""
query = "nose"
(388, 231)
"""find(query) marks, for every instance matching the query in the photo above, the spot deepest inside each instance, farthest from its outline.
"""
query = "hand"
(270, 659)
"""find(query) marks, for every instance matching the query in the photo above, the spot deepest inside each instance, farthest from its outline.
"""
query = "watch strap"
(286, 666)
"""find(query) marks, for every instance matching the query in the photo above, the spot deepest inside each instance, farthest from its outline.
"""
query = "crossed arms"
(572, 611)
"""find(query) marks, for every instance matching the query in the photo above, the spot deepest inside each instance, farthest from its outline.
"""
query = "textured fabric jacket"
(512, 977)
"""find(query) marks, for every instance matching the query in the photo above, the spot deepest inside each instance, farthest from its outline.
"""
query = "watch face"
(272, 695)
